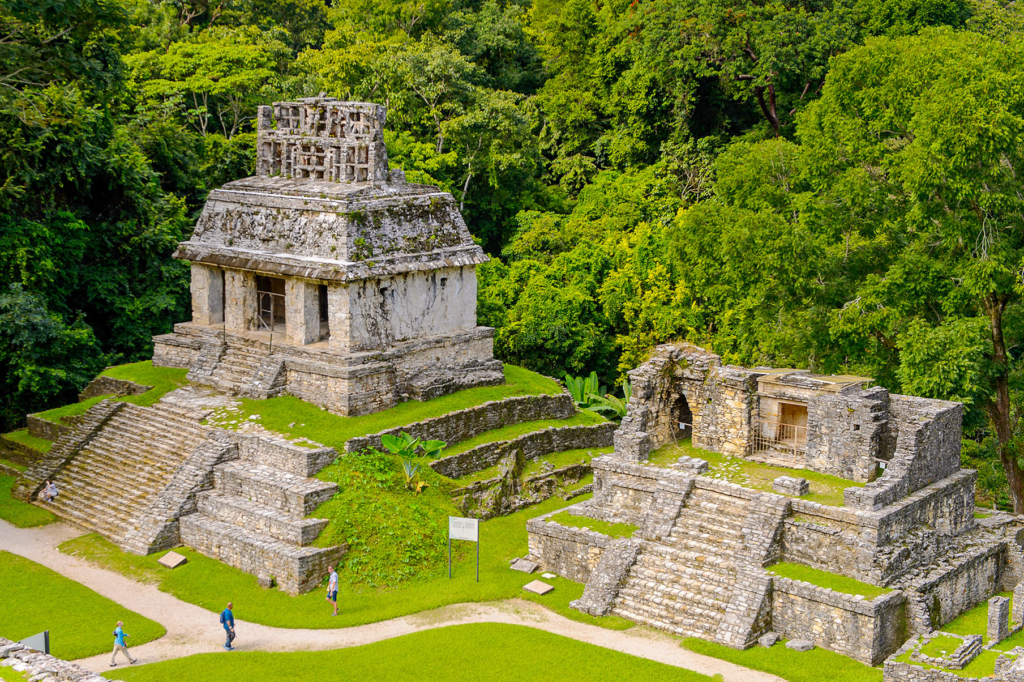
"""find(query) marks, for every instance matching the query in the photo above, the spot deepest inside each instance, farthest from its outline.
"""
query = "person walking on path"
(227, 619)
(119, 645)
(332, 589)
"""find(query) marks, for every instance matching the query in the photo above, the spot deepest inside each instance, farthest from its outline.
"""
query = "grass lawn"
(295, 418)
(8, 675)
(208, 583)
(796, 666)
(975, 622)
(941, 646)
(615, 530)
(831, 581)
(825, 489)
(162, 379)
(583, 418)
(533, 466)
(18, 513)
(13, 465)
(482, 652)
(79, 620)
(22, 436)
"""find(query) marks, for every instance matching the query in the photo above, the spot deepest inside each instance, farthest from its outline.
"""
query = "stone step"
(698, 579)
(702, 543)
(88, 484)
(678, 598)
(271, 487)
(95, 519)
(296, 569)
(709, 523)
(662, 620)
(258, 518)
(718, 503)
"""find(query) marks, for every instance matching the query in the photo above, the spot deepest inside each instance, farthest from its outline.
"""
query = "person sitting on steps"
(50, 491)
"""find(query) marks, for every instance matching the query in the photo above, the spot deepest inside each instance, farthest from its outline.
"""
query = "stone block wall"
(44, 428)
(533, 445)
(845, 433)
(924, 439)
(29, 664)
(280, 454)
(865, 630)
(949, 591)
(461, 425)
(175, 350)
(625, 489)
(572, 553)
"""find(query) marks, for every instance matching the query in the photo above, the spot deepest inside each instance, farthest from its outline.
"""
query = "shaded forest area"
(833, 184)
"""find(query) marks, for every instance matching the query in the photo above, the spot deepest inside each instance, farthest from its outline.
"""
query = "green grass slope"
(18, 513)
(817, 665)
(79, 620)
(484, 652)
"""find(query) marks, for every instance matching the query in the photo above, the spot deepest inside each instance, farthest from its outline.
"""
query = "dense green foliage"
(828, 185)
(484, 652)
(79, 620)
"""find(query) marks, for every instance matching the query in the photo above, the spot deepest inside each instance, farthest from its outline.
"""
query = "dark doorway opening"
(325, 327)
(682, 419)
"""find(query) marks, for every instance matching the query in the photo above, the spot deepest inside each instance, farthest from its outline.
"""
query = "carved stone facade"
(699, 563)
(328, 277)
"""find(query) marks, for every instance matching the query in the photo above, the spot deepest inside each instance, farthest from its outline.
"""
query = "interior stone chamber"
(327, 276)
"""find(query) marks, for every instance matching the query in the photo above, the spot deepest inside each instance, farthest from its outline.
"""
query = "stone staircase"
(124, 467)
(253, 519)
(236, 368)
(684, 582)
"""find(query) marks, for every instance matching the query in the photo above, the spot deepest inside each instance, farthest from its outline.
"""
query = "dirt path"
(192, 630)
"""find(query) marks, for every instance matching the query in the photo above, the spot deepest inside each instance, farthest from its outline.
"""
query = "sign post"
(464, 529)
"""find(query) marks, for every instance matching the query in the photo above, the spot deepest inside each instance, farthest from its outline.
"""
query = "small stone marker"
(799, 645)
(788, 485)
(172, 560)
(537, 587)
(524, 565)
(691, 465)
(768, 639)
(998, 619)
(1018, 603)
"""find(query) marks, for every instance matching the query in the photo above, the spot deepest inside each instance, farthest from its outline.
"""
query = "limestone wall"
(951, 590)
(865, 630)
(845, 433)
(569, 552)
(533, 445)
(461, 425)
(29, 664)
(44, 428)
(280, 454)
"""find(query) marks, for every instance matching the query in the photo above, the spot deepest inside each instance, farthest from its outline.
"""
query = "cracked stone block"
(788, 485)
(800, 645)
(524, 565)
(538, 587)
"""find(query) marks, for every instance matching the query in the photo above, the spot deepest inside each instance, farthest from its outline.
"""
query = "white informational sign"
(463, 529)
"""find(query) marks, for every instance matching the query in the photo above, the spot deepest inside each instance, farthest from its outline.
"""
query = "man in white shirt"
(332, 589)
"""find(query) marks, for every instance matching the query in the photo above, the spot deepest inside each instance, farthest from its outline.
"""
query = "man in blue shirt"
(119, 645)
(227, 619)
(332, 589)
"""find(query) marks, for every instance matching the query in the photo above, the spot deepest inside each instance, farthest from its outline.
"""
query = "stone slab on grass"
(172, 560)
(537, 587)
(790, 485)
(800, 645)
(524, 565)
(769, 639)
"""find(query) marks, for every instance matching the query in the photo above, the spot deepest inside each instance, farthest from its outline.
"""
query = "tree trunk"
(999, 405)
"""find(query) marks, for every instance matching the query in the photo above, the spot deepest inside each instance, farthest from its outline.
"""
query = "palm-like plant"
(611, 406)
(406, 446)
(583, 389)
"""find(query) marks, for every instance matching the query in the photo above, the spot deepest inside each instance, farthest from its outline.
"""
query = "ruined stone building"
(329, 277)
(698, 565)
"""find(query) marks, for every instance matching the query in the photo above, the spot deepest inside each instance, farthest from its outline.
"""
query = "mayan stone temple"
(328, 277)
(699, 563)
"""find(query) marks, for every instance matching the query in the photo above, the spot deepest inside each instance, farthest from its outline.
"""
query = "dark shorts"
(333, 596)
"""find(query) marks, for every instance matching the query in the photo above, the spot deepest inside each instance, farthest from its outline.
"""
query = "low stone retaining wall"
(19, 453)
(949, 592)
(534, 445)
(455, 427)
(102, 385)
(476, 499)
(36, 665)
(847, 624)
(280, 454)
(44, 428)
(572, 553)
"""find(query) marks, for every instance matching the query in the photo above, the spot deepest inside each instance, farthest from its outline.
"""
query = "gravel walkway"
(192, 630)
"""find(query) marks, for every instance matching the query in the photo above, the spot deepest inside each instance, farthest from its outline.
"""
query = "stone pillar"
(239, 301)
(302, 312)
(339, 316)
(1017, 616)
(998, 619)
(207, 294)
